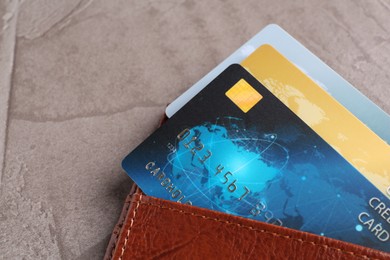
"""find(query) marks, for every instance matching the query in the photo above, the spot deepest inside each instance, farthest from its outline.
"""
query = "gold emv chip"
(243, 95)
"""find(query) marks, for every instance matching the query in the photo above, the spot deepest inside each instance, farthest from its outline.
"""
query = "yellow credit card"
(360, 146)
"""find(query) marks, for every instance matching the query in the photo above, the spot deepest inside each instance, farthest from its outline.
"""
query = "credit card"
(238, 149)
(329, 119)
(359, 105)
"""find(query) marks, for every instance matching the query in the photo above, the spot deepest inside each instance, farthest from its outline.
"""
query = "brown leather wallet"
(151, 228)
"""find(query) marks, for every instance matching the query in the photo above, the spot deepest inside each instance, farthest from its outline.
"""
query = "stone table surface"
(82, 82)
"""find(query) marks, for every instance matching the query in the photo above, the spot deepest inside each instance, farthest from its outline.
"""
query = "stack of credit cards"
(275, 135)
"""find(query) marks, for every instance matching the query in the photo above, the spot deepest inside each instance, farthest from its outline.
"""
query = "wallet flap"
(154, 228)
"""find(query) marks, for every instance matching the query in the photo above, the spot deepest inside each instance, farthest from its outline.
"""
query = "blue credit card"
(237, 149)
(346, 94)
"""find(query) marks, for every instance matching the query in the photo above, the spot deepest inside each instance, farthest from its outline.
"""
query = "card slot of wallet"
(151, 228)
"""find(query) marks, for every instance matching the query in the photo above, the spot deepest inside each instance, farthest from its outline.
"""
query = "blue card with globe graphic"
(237, 149)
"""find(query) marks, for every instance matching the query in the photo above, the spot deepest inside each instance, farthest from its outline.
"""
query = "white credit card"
(362, 107)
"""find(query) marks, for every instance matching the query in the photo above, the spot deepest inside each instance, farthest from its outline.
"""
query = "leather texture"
(112, 244)
(159, 229)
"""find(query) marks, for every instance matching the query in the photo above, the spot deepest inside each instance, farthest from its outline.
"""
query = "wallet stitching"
(241, 226)
(131, 225)
(118, 233)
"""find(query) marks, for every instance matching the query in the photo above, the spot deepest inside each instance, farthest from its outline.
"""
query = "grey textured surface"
(83, 82)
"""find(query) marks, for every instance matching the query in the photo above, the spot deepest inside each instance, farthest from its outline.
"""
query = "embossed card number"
(192, 142)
